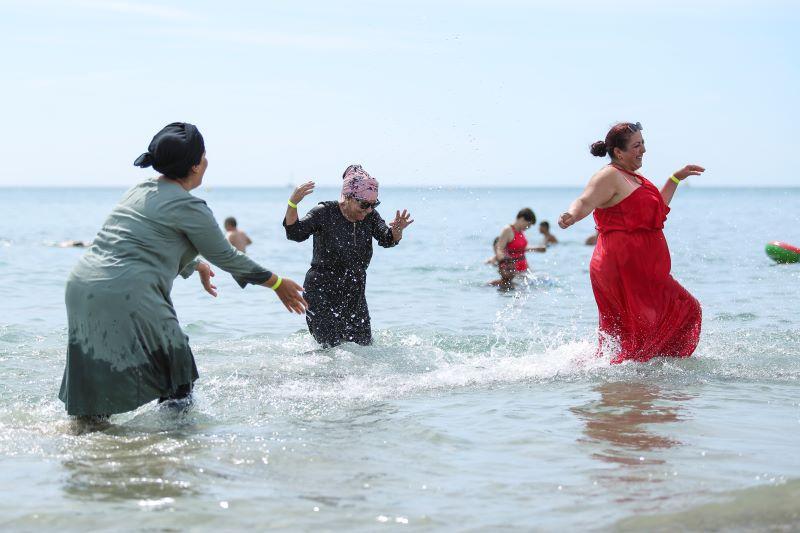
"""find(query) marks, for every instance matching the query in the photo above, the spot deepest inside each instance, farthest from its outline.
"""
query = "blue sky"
(471, 93)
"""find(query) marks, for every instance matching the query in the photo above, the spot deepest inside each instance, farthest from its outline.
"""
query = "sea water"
(474, 410)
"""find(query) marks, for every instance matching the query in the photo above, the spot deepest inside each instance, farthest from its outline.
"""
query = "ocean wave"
(295, 374)
(291, 375)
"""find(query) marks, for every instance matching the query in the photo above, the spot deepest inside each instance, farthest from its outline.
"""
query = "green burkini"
(126, 347)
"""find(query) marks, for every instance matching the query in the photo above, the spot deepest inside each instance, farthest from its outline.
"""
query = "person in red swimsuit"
(641, 306)
(512, 243)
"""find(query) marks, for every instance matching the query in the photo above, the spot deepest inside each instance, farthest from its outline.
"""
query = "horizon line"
(425, 187)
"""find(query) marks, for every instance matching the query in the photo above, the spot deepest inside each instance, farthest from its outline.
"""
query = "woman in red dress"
(641, 305)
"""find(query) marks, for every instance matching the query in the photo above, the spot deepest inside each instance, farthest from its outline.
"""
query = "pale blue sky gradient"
(471, 93)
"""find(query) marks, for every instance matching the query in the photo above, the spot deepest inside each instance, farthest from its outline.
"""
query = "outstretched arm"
(301, 229)
(289, 293)
(389, 235)
(193, 217)
(297, 196)
(400, 222)
(669, 188)
(599, 191)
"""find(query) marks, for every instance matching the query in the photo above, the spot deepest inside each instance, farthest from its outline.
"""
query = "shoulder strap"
(629, 173)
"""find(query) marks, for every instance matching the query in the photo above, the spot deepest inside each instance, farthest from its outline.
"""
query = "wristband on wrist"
(277, 284)
(676, 180)
(292, 204)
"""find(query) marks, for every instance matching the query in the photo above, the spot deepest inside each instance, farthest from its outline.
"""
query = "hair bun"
(598, 149)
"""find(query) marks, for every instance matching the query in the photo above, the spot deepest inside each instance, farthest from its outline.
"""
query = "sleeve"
(188, 270)
(194, 218)
(381, 232)
(304, 227)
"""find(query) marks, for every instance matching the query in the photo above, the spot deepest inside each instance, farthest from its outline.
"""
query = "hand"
(689, 170)
(205, 278)
(566, 220)
(291, 294)
(400, 222)
(301, 192)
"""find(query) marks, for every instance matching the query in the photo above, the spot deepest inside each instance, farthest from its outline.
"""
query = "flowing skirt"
(125, 348)
(641, 306)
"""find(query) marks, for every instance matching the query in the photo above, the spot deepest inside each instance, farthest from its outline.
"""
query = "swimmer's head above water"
(525, 219)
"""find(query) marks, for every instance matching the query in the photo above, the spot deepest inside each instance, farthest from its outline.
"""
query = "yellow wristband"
(292, 205)
(676, 180)
(277, 284)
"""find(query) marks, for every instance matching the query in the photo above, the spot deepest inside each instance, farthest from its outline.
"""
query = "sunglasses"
(363, 204)
(635, 127)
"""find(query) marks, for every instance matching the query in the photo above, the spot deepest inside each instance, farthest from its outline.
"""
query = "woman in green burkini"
(125, 345)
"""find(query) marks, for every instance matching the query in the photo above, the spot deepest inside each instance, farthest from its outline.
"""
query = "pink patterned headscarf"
(358, 184)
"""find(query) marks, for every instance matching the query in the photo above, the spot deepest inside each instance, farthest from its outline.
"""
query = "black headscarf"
(174, 150)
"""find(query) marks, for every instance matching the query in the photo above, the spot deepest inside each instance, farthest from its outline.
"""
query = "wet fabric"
(125, 345)
(174, 150)
(336, 281)
(641, 306)
(515, 250)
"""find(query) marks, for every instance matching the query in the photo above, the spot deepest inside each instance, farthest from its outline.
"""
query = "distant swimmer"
(239, 239)
(343, 231)
(547, 237)
(507, 275)
(591, 240)
(512, 243)
(505, 268)
(73, 244)
(641, 306)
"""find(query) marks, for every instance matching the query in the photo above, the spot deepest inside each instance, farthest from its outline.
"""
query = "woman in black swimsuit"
(343, 231)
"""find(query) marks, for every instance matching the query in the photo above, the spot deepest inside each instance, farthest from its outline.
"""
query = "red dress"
(639, 302)
(515, 249)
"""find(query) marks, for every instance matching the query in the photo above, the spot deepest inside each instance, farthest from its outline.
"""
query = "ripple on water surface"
(421, 413)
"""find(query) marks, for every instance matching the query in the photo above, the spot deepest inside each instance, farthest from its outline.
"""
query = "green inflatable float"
(780, 252)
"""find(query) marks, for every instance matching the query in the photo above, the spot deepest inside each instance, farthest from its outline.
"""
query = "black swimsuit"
(336, 281)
